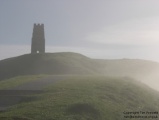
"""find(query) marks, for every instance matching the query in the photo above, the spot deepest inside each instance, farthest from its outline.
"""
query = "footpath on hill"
(19, 93)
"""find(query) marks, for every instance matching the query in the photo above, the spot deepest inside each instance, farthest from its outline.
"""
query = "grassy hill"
(94, 90)
(74, 63)
(88, 98)
(49, 63)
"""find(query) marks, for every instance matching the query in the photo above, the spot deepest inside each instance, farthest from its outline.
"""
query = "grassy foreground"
(87, 98)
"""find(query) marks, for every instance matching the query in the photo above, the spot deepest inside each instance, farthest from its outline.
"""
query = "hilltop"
(48, 63)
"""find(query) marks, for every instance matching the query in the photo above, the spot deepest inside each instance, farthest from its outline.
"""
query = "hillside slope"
(48, 63)
(89, 98)
(74, 63)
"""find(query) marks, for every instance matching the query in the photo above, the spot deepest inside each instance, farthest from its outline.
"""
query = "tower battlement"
(38, 39)
(38, 24)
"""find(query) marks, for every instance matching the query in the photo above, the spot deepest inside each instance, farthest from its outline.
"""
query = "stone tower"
(38, 39)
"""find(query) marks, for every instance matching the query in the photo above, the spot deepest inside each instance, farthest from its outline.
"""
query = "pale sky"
(106, 29)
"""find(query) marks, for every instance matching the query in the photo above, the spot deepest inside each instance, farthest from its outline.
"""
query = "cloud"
(135, 32)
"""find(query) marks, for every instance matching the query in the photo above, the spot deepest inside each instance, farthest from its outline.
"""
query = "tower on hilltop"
(38, 39)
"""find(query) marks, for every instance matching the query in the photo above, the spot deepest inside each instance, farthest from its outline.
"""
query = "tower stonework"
(38, 39)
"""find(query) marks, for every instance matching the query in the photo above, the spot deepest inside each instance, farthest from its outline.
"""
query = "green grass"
(87, 98)
(74, 63)
(13, 82)
(48, 63)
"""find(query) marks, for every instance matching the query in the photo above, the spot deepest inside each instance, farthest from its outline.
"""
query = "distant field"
(86, 98)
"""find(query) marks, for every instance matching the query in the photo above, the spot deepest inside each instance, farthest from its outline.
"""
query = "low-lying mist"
(142, 70)
(151, 79)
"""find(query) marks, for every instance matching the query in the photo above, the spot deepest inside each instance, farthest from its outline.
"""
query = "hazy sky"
(96, 28)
